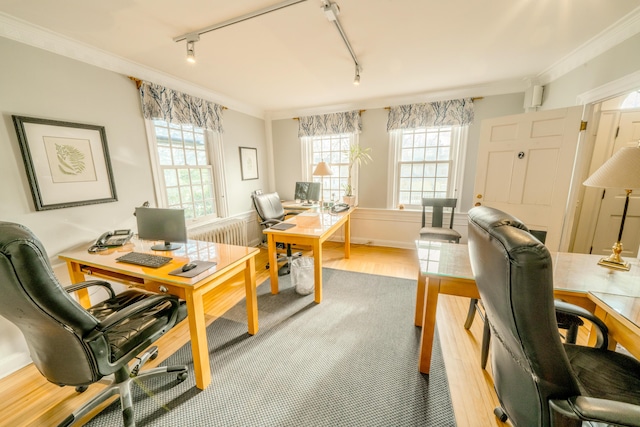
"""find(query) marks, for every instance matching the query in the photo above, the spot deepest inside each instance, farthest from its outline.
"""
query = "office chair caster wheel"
(82, 388)
(182, 376)
(500, 414)
(154, 355)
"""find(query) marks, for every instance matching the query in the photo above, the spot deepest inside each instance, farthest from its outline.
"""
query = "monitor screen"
(307, 191)
(167, 225)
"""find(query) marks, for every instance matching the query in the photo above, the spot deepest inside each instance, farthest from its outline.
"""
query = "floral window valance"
(330, 124)
(159, 102)
(441, 113)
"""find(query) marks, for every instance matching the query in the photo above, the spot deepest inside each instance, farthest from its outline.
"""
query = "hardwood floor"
(27, 399)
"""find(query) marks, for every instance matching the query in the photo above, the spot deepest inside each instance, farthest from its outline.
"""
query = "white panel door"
(524, 167)
(610, 216)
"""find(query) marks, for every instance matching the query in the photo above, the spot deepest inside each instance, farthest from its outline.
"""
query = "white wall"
(36, 83)
(372, 182)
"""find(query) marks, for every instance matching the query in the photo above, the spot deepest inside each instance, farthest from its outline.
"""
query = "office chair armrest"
(599, 410)
(138, 307)
(77, 286)
(270, 222)
(602, 331)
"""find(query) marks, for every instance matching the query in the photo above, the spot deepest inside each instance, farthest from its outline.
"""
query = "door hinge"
(617, 131)
(583, 125)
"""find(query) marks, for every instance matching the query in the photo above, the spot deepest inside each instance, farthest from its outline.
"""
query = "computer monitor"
(307, 191)
(167, 225)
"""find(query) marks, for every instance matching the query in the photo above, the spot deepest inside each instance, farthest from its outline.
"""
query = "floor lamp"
(322, 170)
(622, 170)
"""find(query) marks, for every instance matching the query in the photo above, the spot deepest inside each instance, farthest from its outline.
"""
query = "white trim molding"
(32, 35)
(615, 34)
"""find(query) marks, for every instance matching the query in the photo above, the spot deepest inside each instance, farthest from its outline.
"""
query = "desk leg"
(420, 299)
(273, 263)
(347, 237)
(428, 324)
(77, 276)
(252, 298)
(198, 332)
(317, 270)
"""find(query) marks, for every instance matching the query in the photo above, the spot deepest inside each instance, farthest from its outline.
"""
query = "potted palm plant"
(357, 155)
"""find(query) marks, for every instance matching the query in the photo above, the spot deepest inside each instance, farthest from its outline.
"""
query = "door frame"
(618, 87)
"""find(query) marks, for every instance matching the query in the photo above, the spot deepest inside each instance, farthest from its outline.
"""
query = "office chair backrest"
(514, 275)
(437, 214)
(268, 206)
(52, 322)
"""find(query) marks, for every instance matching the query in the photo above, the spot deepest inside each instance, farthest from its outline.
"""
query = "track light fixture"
(356, 80)
(191, 52)
(331, 11)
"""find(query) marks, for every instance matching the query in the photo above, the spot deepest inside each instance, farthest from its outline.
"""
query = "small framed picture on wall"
(249, 163)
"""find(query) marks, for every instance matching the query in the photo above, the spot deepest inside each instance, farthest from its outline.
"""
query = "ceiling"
(294, 59)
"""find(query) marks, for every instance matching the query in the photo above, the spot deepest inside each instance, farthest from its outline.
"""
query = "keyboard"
(145, 260)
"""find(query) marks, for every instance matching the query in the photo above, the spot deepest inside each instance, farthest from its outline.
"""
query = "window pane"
(173, 196)
(333, 149)
(195, 177)
(164, 156)
(183, 177)
(425, 165)
(170, 177)
(185, 194)
(182, 145)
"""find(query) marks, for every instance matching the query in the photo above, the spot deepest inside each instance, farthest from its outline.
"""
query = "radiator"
(231, 232)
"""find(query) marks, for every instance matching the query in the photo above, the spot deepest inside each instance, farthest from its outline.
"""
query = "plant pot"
(350, 200)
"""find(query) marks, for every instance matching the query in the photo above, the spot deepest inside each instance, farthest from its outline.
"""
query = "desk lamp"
(622, 170)
(322, 170)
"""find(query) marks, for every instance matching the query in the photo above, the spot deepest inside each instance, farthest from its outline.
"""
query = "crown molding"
(615, 34)
(33, 35)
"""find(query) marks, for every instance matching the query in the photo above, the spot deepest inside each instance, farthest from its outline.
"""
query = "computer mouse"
(189, 266)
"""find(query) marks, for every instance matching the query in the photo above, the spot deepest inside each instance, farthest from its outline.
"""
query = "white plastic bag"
(302, 275)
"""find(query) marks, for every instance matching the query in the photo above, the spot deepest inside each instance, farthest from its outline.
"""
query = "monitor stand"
(167, 246)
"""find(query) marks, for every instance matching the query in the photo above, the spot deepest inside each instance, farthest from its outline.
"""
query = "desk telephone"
(111, 239)
(339, 207)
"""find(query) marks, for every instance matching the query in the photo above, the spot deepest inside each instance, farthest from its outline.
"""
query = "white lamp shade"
(322, 170)
(622, 170)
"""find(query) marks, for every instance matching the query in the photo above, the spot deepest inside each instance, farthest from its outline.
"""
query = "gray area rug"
(350, 361)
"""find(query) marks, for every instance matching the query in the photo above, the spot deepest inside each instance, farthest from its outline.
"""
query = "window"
(632, 100)
(333, 149)
(184, 172)
(425, 164)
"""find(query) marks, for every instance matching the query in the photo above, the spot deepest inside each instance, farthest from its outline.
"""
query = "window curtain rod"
(241, 18)
(477, 98)
(138, 83)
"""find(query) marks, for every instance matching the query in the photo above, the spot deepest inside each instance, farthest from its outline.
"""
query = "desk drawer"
(162, 288)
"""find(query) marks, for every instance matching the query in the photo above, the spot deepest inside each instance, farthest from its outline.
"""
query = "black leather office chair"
(271, 212)
(73, 346)
(567, 322)
(539, 380)
(436, 231)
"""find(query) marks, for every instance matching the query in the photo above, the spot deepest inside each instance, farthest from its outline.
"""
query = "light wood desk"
(614, 296)
(230, 260)
(312, 228)
(297, 207)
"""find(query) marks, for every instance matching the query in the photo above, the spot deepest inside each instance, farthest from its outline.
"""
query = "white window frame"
(459, 137)
(308, 164)
(213, 141)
